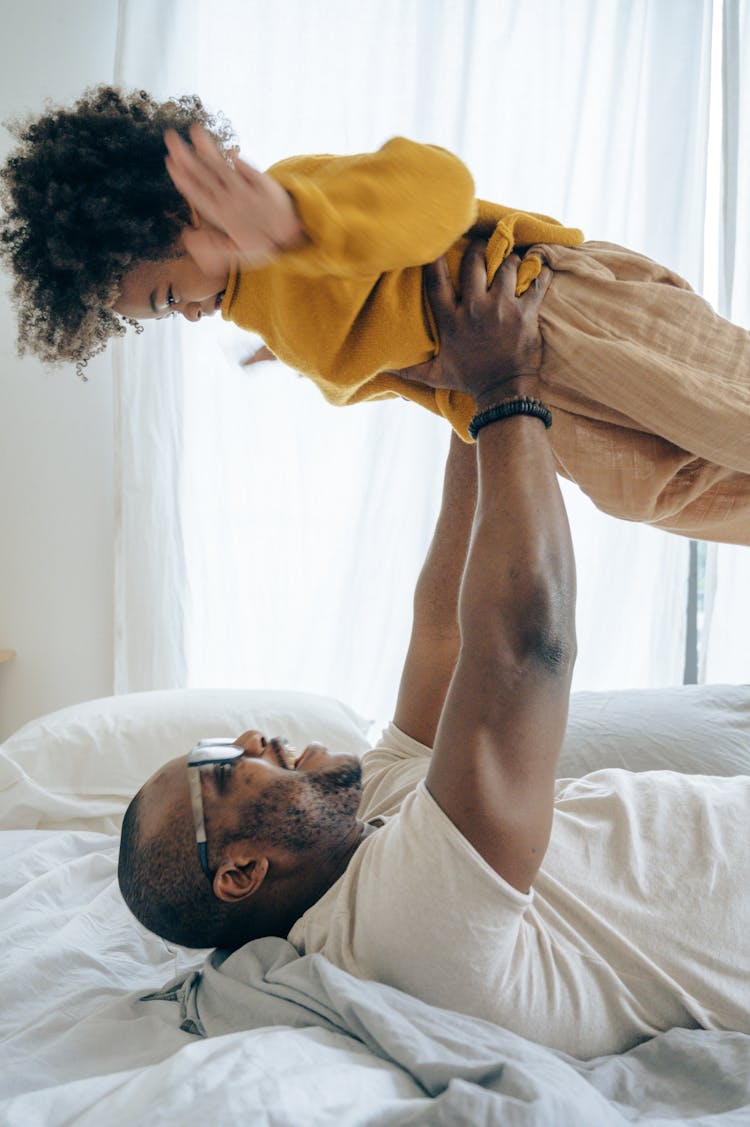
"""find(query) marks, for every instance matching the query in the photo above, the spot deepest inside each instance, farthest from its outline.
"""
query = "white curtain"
(268, 539)
(725, 646)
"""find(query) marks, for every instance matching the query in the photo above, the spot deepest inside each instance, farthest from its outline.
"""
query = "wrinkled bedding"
(266, 1037)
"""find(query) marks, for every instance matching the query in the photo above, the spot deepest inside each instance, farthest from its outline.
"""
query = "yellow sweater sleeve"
(403, 205)
(347, 308)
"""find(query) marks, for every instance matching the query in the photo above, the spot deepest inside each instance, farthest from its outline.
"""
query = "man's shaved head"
(283, 829)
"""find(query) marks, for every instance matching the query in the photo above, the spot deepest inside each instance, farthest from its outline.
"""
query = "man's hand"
(250, 217)
(488, 336)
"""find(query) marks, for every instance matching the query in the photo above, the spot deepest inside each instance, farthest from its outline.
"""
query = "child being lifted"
(322, 256)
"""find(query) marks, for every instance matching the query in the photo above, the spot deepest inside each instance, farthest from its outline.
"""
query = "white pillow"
(80, 766)
(695, 729)
(77, 768)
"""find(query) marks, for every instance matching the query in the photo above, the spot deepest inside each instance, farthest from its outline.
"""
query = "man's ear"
(240, 874)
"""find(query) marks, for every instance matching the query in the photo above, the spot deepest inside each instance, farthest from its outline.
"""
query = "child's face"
(177, 285)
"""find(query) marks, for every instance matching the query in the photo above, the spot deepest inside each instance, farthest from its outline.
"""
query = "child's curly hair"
(86, 196)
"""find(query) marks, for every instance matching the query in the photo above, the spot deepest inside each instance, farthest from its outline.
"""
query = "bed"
(103, 1023)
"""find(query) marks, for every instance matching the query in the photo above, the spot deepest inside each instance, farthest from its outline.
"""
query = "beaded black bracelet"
(517, 405)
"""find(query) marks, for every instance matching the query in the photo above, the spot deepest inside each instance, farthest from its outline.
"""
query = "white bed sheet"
(79, 1047)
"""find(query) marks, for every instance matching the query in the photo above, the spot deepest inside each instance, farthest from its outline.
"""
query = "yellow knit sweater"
(348, 309)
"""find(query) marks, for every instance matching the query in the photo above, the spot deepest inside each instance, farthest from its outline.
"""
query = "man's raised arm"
(435, 638)
(504, 717)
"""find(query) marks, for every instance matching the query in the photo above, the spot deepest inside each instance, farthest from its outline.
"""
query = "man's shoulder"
(396, 745)
(391, 771)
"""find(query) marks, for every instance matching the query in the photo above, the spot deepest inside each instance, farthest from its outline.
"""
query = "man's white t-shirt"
(637, 921)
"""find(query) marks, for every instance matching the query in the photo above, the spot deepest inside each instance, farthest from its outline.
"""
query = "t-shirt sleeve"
(391, 771)
(366, 214)
(427, 903)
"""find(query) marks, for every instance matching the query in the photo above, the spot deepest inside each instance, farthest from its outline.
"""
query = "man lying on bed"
(586, 914)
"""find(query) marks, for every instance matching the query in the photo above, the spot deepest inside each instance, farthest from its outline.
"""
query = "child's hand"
(487, 336)
(258, 357)
(251, 217)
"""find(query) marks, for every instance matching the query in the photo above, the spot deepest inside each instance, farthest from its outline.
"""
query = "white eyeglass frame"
(206, 753)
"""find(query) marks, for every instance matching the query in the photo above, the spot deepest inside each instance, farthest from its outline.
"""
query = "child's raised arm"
(360, 215)
(240, 215)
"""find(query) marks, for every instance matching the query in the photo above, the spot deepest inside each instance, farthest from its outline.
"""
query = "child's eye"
(170, 298)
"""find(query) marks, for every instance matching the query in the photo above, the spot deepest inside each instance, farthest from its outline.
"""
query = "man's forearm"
(436, 592)
(518, 594)
(435, 637)
(499, 737)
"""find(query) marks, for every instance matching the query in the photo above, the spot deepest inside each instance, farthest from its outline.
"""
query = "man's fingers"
(534, 291)
(440, 292)
(505, 277)
(429, 373)
(473, 275)
(541, 283)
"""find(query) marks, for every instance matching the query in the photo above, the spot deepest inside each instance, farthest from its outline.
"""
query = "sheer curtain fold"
(294, 530)
(725, 651)
(150, 559)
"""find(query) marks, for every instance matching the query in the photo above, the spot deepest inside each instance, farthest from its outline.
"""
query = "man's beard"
(302, 809)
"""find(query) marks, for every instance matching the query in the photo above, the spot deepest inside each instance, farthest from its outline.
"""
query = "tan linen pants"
(650, 390)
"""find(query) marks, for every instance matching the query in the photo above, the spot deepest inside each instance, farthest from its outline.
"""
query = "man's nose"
(192, 311)
(252, 742)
